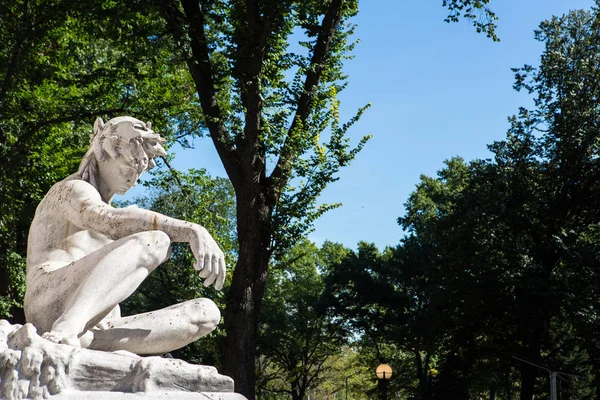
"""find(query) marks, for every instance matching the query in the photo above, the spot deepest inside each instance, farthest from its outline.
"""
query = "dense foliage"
(499, 265)
(228, 69)
(297, 336)
(499, 268)
(60, 68)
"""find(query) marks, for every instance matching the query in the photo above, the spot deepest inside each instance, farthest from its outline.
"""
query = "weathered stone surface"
(152, 396)
(34, 368)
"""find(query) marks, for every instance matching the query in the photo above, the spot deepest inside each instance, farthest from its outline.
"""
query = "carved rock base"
(151, 396)
(35, 368)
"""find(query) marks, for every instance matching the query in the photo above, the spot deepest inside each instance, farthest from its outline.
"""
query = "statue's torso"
(54, 241)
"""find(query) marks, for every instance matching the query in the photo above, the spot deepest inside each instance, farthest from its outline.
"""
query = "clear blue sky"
(437, 90)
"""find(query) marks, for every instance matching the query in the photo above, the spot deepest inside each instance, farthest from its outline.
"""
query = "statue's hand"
(210, 260)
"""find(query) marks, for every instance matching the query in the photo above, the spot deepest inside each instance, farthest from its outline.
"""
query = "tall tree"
(267, 129)
(386, 300)
(562, 135)
(520, 235)
(297, 336)
(238, 56)
(525, 214)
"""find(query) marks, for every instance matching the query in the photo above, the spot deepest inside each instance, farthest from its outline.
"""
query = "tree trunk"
(298, 394)
(420, 373)
(529, 373)
(493, 392)
(245, 297)
(4, 284)
(508, 386)
(22, 233)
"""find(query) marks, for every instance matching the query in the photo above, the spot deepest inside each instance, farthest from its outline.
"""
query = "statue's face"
(119, 174)
(123, 149)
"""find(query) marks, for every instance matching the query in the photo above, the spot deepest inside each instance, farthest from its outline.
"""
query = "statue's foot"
(61, 338)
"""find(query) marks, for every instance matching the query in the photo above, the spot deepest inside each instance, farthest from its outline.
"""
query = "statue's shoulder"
(72, 186)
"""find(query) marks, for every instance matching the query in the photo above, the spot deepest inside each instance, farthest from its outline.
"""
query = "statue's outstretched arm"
(81, 204)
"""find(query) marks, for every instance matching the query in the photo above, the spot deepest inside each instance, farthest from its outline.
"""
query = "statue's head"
(124, 144)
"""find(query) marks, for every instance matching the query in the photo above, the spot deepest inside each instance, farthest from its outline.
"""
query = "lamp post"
(384, 373)
(553, 376)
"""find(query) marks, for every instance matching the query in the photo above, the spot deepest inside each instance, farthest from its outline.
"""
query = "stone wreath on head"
(121, 137)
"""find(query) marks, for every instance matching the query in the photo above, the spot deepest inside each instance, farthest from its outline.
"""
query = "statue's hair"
(118, 138)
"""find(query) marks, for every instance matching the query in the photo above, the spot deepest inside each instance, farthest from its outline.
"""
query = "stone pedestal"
(35, 368)
(145, 396)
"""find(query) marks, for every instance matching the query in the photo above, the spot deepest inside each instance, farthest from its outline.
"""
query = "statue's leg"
(82, 293)
(156, 332)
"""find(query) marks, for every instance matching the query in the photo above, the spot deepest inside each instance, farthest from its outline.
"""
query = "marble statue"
(84, 257)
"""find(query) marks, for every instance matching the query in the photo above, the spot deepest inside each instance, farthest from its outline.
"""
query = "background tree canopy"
(500, 263)
(500, 260)
(260, 77)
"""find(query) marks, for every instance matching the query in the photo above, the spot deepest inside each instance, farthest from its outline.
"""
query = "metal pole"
(553, 385)
(383, 388)
(553, 375)
(347, 387)
(385, 382)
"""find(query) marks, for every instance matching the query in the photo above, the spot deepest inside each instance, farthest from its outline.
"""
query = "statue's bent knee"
(156, 245)
(204, 313)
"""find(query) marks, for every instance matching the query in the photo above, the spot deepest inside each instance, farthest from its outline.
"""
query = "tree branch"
(252, 41)
(278, 390)
(176, 176)
(331, 21)
(249, 60)
(319, 367)
(201, 70)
